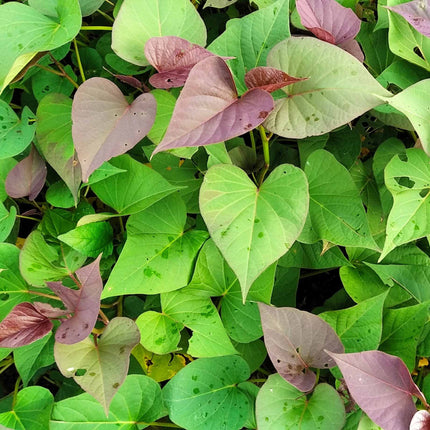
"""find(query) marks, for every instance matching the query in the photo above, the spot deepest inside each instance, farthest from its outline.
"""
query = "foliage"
(179, 186)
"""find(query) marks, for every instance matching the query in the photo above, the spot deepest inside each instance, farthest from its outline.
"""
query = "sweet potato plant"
(215, 216)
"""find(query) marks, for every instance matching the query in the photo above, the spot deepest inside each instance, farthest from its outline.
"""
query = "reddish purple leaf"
(269, 79)
(381, 385)
(50, 311)
(173, 57)
(295, 341)
(208, 109)
(84, 303)
(417, 13)
(130, 80)
(105, 125)
(420, 421)
(23, 325)
(353, 48)
(27, 177)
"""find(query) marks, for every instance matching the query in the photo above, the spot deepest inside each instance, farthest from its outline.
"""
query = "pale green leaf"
(7, 221)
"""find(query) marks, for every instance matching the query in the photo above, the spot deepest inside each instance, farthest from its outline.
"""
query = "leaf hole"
(80, 372)
(424, 192)
(404, 181)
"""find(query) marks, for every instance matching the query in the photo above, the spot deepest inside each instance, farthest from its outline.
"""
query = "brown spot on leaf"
(263, 114)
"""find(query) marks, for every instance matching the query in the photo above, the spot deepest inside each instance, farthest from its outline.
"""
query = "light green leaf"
(253, 227)
(219, 3)
(159, 254)
(407, 177)
(134, 190)
(44, 83)
(7, 221)
(31, 411)
(336, 212)
(54, 139)
(90, 239)
(196, 311)
(158, 332)
(33, 32)
(360, 326)
(138, 400)
(139, 20)
(205, 395)
(250, 38)
(280, 406)
(401, 329)
(413, 102)
(15, 134)
(40, 262)
(165, 104)
(88, 7)
(100, 369)
(103, 172)
(59, 195)
(338, 90)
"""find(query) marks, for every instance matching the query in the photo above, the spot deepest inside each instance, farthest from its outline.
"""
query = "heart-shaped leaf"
(381, 385)
(173, 57)
(295, 341)
(417, 13)
(100, 368)
(338, 90)
(27, 178)
(105, 125)
(84, 303)
(253, 227)
(269, 79)
(208, 109)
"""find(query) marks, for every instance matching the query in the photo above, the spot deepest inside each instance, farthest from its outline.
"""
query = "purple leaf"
(269, 79)
(23, 325)
(381, 385)
(130, 80)
(296, 340)
(353, 48)
(173, 57)
(209, 111)
(105, 125)
(417, 13)
(50, 311)
(420, 421)
(27, 177)
(84, 303)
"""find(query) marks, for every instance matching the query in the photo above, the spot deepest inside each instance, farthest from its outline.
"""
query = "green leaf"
(44, 82)
(103, 172)
(254, 353)
(6, 165)
(401, 329)
(413, 102)
(408, 179)
(165, 104)
(30, 359)
(134, 190)
(360, 326)
(205, 395)
(59, 195)
(31, 410)
(338, 90)
(159, 254)
(7, 221)
(90, 239)
(15, 134)
(250, 38)
(253, 227)
(336, 213)
(139, 20)
(54, 139)
(100, 369)
(280, 406)
(40, 262)
(33, 32)
(138, 400)
(196, 311)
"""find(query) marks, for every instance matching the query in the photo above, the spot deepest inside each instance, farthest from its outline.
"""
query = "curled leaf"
(269, 79)
(417, 13)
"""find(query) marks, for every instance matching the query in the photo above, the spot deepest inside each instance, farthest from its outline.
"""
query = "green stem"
(264, 372)
(96, 27)
(121, 224)
(48, 69)
(314, 273)
(109, 18)
(28, 217)
(63, 72)
(48, 296)
(251, 135)
(156, 424)
(15, 391)
(257, 380)
(78, 59)
(266, 154)
(120, 307)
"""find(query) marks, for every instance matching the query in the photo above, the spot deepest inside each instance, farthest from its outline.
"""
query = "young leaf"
(100, 369)
(105, 125)
(338, 90)
(83, 303)
(296, 340)
(207, 394)
(134, 26)
(269, 79)
(420, 421)
(280, 406)
(381, 385)
(23, 325)
(27, 178)
(173, 57)
(253, 227)
(417, 13)
(209, 111)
